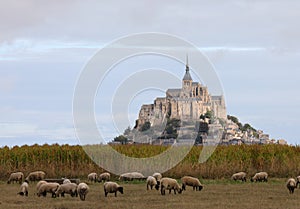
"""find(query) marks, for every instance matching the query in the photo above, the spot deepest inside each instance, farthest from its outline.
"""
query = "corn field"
(71, 161)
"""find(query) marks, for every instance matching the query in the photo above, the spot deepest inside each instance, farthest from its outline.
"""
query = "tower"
(187, 79)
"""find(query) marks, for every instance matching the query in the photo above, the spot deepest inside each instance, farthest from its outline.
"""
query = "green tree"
(145, 126)
(121, 139)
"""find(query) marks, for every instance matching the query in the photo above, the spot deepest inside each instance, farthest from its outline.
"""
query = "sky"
(254, 47)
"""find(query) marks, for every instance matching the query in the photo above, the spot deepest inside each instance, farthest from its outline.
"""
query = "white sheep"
(157, 176)
(66, 181)
(169, 183)
(104, 177)
(24, 189)
(38, 185)
(69, 188)
(93, 177)
(112, 187)
(151, 181)
(261, 176)
(191, 181)
(131, 176)
(239, 176)
(48, 188)
(36, 176)
(16, 177)
(291, 185)
(82, 190)
(298, 181)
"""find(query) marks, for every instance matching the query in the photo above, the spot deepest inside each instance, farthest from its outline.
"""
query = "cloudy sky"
(44, 45)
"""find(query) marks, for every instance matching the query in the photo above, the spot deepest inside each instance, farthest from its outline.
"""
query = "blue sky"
(254, 46)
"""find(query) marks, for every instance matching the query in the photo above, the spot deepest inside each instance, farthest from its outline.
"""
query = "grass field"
(216, 194)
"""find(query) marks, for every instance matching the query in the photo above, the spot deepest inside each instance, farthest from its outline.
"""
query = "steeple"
(187, 75)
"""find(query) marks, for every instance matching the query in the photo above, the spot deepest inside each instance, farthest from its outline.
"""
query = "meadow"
(215, 194)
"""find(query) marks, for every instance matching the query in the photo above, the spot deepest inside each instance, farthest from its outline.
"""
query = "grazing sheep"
(157, 176)
(131, 176)
(82, 190)
(298, 181)
(169, 183)
(24, 189)
(69, 188)
(35, 176)
(239, 176)
(38, 185)
(151, 181)
(92, 177)
(16, 177)
(191, 181)
(48, 188)
(291, 185)
(261, 176)
(67, 181)
(104, 177)
(112, 187)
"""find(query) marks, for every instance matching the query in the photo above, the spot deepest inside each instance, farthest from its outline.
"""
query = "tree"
(121, 139)
(145, 126)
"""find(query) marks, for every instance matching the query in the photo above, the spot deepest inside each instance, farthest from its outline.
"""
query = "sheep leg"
(115, 193)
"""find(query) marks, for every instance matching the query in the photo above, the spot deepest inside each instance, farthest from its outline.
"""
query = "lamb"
(298, 181)
(82, 190)
(92, 177)
(131, 176)
(151, 181)
(191, 181)
(36, 176)
(169, 183)
(24, 189)
(66, 181)
(38, 185)
(48, 188)
(112, 187)
(291, 185)
(69, 188)
(239, 176)
(261, 176)
(16, 177)
(104, 177)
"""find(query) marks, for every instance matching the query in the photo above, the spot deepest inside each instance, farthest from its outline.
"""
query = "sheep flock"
(58, 188)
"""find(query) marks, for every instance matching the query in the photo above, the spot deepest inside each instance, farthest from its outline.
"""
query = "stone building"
(185, 103)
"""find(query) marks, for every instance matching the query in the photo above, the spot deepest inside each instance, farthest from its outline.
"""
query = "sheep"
(291, 185)
(16, 177)
(92, 177)
(104, 177)
(157, 176)
(151, 181)
(36, 176)
(23, 189)
(82, 190)
(298, 181)
(38, 185)
(169, 183)
(66, 181)
(131, 176)
(191, 181)
(112, 187)
(48, 188)
(261, 176)
(69, 188)
(239, 176)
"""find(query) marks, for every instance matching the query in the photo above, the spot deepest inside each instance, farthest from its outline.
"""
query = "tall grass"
(72, 161)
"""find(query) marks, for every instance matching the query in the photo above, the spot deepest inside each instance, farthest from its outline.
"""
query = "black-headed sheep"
(24, 189)
(36, 176)
(151, 181)
(112, 187)
(82, 190)
(93, 177)
(157, 176)
(291, 185)
(69, 188)
(298, 181)
(169, 183)
(131, 176)
(261, 176)
(38, 185)
(16, 177)
(191, 181)
(48, 188)
(239, 176)
(104, 177)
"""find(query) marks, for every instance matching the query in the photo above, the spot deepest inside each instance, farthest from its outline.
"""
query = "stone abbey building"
(185, 103)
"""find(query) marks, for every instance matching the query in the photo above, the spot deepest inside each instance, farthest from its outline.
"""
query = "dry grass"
(216, 194)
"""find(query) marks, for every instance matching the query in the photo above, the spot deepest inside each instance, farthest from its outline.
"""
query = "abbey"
(188, 102)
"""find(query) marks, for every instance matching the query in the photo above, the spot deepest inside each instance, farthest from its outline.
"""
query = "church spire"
(187, 75)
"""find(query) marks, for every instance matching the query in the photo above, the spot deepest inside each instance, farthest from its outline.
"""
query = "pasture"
(216, 194)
